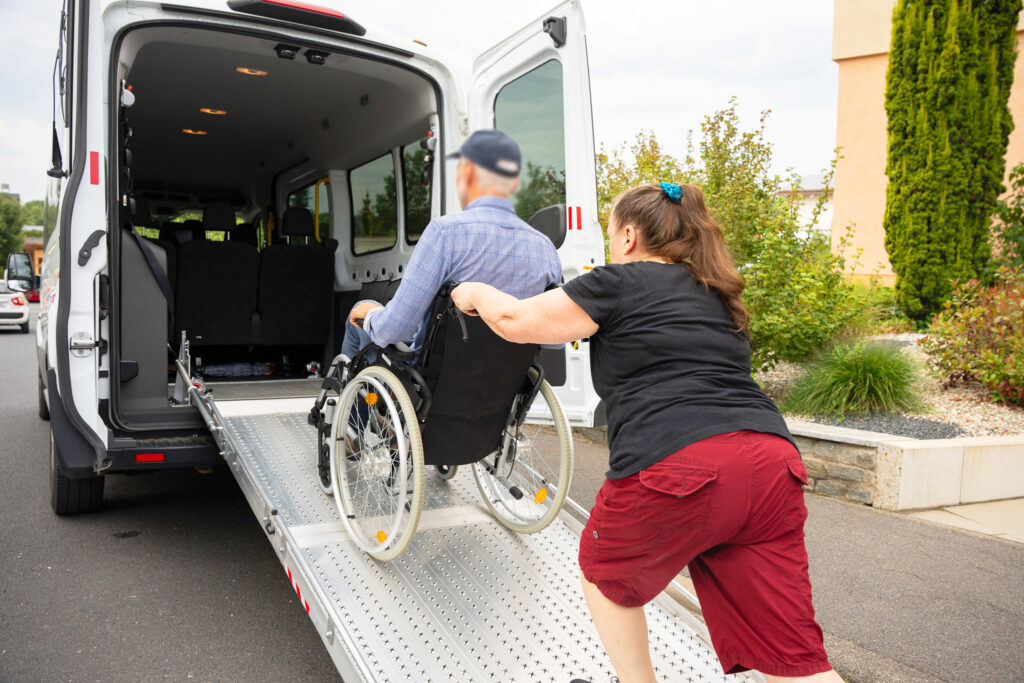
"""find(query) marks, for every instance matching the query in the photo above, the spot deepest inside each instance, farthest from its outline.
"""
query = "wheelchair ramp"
(468, 601)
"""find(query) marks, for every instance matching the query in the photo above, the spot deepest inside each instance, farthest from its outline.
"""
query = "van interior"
(234, 230)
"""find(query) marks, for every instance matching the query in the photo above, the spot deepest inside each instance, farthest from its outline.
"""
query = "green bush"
(979, 335)
(877, 311)
(857, 379)
(1008, 230)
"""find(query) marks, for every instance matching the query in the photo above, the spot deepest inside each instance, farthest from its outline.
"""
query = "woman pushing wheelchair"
(703, 472)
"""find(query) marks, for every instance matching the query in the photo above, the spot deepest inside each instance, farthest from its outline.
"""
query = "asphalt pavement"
(175, 580)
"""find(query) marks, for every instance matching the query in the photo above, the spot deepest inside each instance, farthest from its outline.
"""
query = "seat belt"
(158, 271)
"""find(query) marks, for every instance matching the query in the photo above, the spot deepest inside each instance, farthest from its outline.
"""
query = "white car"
(14, 308)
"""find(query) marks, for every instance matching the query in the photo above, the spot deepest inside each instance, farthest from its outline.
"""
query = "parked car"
(33, 296)
(14, 308)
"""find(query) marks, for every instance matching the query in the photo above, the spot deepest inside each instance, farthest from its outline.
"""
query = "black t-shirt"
(667, 362)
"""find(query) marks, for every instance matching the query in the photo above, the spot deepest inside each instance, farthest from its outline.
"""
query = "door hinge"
(82, 345)
(557, 29)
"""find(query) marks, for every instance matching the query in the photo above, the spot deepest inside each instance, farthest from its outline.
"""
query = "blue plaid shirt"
(485, 243)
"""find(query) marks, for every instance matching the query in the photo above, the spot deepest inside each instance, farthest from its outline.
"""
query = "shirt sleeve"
(598, 293)
(424, 275)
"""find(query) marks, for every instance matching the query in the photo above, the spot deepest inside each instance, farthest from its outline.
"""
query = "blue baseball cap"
(493, 150)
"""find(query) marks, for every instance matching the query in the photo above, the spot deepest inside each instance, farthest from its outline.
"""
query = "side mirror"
(551, 220)
(20, 276)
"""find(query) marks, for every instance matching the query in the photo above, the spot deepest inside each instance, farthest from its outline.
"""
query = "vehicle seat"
(197, 229)
(296, 285)
(381, 291)
(244, 233)
(216, 290)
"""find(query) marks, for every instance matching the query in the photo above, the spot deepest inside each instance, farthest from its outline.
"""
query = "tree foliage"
(541, 187)
(11, 239)
(796, 294)
(947, 86)
(1008, 230)
(32, 212)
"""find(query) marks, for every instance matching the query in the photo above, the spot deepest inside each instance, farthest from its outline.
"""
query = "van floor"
(234, 390)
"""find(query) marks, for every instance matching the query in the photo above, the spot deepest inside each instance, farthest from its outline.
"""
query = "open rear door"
(535, 86)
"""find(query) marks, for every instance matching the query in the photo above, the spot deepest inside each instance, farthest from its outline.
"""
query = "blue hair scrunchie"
(674, 192)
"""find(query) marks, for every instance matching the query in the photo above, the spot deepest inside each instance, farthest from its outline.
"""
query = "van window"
(307, 199)
(530, 111)
(417, 195)
(374, 194)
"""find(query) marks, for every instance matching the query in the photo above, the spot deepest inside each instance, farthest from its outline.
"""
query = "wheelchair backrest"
(473, 381)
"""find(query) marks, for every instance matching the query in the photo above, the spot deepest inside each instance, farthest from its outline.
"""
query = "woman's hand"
(463, 297)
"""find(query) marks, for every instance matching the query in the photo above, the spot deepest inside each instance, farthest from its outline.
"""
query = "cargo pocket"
(796, 510)
(669, 483)
(797, 469)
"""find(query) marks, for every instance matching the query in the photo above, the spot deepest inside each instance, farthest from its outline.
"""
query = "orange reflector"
(149, 457)
(381, 537)
(541, 495)
(371, 399)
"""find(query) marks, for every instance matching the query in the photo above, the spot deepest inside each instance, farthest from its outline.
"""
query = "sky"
(659, 65)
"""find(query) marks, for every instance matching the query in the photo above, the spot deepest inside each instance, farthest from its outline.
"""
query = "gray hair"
(493, 182)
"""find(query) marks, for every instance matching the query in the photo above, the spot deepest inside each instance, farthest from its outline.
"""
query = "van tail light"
(18, 300)
(300, 13)
(149, 457)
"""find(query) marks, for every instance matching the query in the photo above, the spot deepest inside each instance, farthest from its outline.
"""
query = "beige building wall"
(860, 46)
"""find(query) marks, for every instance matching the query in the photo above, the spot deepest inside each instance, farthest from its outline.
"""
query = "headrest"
(297, 222)
(218, 216)
(551, 221)
(141, 215)
(244, 233)
(198, 232)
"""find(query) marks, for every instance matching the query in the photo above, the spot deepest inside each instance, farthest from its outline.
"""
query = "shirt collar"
(493, 201)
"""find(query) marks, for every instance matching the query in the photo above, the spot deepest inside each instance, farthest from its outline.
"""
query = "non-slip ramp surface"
(469, 600)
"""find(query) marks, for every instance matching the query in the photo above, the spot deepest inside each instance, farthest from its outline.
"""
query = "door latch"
(82, 344)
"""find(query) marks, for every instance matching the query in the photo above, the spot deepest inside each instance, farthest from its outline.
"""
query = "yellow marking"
(541, 495)
(588, 267)
(371, 399)
(381, 537)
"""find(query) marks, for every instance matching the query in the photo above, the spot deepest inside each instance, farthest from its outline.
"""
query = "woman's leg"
(623, 632)
(824, 677)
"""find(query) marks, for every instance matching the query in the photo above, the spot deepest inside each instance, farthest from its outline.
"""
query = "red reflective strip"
(570, 217)
(307, 7)
(289, 574)
(298, 592)
(149, 457)
(579, 218)
(307, 608)
(94, 168)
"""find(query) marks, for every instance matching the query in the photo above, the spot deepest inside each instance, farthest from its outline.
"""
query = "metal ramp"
(468, 601)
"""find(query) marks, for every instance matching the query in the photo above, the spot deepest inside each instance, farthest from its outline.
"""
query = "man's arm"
(424, 275)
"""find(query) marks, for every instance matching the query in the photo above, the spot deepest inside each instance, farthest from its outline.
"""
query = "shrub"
(878, 312)
(859, 378)
(1008, 230)
(979, 335)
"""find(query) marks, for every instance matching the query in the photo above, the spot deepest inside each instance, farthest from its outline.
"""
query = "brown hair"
(684, 233)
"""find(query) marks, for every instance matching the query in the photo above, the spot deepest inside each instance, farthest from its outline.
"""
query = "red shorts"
(731, 508)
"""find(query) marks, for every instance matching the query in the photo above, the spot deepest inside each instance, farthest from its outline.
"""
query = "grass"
(857, 379)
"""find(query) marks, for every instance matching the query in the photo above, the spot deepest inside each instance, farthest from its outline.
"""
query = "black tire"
(73, 496)
(44, 409)
(24, 328)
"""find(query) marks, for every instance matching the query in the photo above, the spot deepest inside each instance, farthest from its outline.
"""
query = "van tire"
(44, 409)
(24, 328)
(72, 496)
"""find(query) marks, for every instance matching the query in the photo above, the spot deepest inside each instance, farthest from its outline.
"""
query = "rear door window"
(374, 194)
(417, 194)
(530, 110)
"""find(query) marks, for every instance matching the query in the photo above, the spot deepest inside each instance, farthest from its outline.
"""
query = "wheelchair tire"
(446, 472)
(541, 473)
(377, 478)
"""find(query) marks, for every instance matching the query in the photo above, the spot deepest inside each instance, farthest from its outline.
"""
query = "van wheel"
(44, 409)
(72, 496)
(24, 328)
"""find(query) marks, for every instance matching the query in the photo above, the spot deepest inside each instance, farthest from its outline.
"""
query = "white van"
(238, 174)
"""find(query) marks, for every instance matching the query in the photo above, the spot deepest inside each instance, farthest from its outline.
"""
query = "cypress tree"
(946, 93)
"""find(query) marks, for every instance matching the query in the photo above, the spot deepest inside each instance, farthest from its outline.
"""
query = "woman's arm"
(548, 318)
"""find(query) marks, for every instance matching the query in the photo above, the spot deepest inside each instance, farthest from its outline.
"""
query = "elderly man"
(487, 242)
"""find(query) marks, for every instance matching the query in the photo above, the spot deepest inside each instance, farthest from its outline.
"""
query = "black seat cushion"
(473, 384)
(296, 285)
(215, 294)
(244, 233)
(381, 291)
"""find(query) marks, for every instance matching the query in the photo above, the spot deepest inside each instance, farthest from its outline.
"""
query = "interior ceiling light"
(214, 112)
(250, 72)
(286, 51)
(189, 131)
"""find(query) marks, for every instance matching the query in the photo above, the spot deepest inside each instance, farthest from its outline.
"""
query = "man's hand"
(463, 297)
(360, 310)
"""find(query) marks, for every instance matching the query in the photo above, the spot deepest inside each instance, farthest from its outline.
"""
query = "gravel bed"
(958, 411)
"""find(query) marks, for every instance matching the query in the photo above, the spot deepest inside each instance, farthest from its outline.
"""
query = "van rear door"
(535, 86)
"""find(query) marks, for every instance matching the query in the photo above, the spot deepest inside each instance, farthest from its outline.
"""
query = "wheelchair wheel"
(446, 472)
(377, 463)
(525, 487)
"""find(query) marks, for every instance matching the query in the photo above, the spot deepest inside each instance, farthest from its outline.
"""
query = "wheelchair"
(382, 420)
